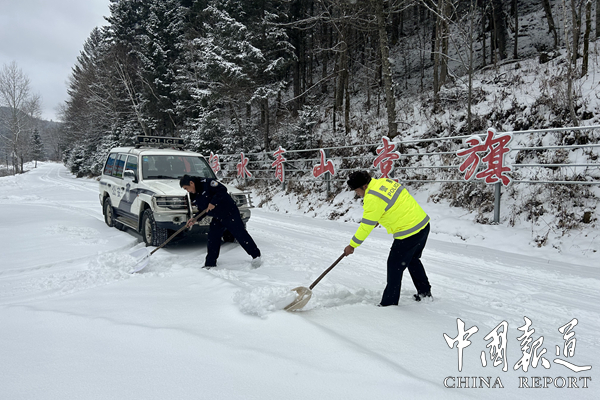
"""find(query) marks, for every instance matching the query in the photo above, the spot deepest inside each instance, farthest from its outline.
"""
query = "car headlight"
(172, 202)
(241, 200)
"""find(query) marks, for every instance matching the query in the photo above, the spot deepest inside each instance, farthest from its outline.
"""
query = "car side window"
(132, 164)
(119, 165)
(110, 163)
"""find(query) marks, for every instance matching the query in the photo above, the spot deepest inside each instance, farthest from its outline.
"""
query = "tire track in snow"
(58, 176)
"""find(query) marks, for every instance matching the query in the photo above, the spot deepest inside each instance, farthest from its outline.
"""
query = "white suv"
(139, 189)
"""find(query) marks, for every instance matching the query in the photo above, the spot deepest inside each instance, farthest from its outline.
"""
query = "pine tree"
(149, 39)
(37, 147)
(222, 64)
(93, 108)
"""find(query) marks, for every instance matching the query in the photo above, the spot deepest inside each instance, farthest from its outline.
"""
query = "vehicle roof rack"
(159, 142)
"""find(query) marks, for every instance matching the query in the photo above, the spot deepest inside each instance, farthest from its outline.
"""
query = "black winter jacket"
(211, 191)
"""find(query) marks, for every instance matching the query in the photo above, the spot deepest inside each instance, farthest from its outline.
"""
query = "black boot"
(420, 296)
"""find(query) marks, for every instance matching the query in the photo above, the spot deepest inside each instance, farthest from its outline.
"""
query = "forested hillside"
(239, 74)
(242, 75)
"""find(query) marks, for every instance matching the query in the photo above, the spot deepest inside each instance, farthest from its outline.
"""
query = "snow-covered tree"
(221, 64)
(149, 37)
(22, 109)
(37, 147)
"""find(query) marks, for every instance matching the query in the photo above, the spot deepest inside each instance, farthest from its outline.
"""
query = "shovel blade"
(142, 256)
(304, 295)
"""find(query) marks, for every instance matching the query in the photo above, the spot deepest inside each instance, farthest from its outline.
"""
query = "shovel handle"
(178, 232)
(327, 271)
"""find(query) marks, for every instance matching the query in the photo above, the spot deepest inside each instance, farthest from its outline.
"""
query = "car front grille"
(172, 202)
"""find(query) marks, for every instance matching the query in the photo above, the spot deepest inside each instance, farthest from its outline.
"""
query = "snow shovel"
(305, 293)
(145, 255)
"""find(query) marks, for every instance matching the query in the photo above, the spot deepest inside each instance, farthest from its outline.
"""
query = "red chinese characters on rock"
(242, 171)
(213, 161)
(386, 157)
(496, 149)
(278, 164)
(323, 167)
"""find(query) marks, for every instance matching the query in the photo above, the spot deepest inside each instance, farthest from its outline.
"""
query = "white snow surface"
(75, 324)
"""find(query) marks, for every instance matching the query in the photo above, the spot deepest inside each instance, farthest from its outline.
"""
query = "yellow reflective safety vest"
(390, 204)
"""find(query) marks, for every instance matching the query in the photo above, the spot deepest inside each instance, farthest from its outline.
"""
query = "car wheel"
(109, 216)
(151, 233)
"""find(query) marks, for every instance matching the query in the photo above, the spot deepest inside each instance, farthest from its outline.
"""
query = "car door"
(117, 185)
(129, 198)
(107, 181)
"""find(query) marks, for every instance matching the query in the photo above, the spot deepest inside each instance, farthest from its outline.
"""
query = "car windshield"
(174, 167)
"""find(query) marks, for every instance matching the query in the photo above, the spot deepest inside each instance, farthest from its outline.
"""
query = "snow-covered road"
(75, 324)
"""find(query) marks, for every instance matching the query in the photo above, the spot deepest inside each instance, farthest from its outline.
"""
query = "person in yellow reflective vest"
(388, 203)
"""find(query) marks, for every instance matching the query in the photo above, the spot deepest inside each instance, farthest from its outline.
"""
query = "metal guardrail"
(445, 162)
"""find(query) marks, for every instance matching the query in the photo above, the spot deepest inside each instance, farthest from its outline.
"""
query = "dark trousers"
(235, 226)
(406, 253)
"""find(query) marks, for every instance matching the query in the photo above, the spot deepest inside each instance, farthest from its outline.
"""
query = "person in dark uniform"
(208, 193)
